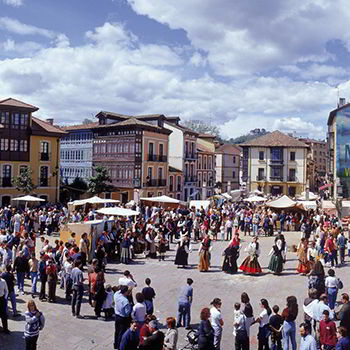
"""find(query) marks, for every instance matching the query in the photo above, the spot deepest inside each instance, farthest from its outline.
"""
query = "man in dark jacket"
(344, 313)
(43, 276)
(130, 339)
(21, 266)
(156, 340)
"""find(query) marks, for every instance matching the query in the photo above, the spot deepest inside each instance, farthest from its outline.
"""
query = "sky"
(237, 64)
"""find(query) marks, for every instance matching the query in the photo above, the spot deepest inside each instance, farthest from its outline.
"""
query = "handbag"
(340, 284)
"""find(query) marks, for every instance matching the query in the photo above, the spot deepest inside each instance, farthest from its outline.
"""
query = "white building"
(183, 155)
(275, 164)
(76, 152)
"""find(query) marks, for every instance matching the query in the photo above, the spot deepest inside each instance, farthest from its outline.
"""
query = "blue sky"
(237, 64)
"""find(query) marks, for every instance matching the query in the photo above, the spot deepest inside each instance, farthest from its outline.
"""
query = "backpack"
(340, 284)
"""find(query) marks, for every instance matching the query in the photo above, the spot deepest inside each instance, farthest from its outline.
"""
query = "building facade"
(76, 152)
(227, 166)
(275, 164)
(175, 181)
(183, 155)
(28, 142)
(135, 152)
(205, 166)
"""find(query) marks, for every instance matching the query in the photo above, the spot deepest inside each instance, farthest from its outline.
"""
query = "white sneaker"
(22, 293)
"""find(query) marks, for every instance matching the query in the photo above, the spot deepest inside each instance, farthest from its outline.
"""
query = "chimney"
(49, 121)
(342, 101)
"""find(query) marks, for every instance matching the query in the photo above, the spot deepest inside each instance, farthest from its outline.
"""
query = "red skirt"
(251, 266)
(304, 267)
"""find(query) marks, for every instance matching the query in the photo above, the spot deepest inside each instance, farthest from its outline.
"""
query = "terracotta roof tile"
(16, 103)
(79, 126)
(274, 139)
(46, 126)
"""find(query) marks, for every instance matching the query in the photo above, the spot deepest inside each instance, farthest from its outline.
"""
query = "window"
(23, 146)
(261, 155)
(44, 150)
(233, 174)
(44, 175)
(5, 118)
(234, 160)
(210, 162)
(13, 145)
(4, 145)
(150, 148)
(16, 118)
(6, 174)
(161, 149)
(126, 147)
(261, 174)
(205, 163)
(199, 162)
(24, 120)
(292, 156)
(276, 173)
(276, 154)
(149, 173)
(160, 173)
(171, 183)
(137, 147)
(292, 173)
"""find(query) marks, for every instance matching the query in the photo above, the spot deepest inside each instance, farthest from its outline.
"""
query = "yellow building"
(28, 142)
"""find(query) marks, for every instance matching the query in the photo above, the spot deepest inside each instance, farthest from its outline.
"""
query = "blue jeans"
(289, 332)
(20, 281)
(12, 297)
(184, 312)
(332, 297)
(34, 278)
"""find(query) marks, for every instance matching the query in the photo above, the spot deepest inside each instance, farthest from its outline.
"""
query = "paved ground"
(62, 331)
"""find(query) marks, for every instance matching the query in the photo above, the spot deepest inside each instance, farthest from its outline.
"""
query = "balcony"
(190, 155)
(276, 178)
(261, 178)
(44, 156)
(152, 158)
(43, 181)
(162, 158)
(189, 179)
(276, 161)
(155, 183)
(6, 181)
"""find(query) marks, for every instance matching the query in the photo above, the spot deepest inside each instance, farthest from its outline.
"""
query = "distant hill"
(253, 134)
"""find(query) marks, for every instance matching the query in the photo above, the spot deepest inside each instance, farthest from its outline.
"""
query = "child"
(108, 302)
(276, 322)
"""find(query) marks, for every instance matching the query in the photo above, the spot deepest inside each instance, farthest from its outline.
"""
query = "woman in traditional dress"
(304, 265)
(277, 258)
(181, 258)
(231, 254)
(204, 254)
(250, 264)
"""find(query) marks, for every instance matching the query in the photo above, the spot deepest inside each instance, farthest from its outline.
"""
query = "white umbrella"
(94, 200)
(161, 199)
(117, 211)
(282, 202)
(28, 198)
(255, 199)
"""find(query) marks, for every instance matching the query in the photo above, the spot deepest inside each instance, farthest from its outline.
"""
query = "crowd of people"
(323, 244)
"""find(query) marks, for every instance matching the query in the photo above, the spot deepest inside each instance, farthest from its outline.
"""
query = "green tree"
(24, 182)
(202, 127)
(100, 182)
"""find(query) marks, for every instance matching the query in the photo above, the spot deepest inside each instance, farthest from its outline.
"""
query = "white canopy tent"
(117, 211)
(130, 203)
(255, 199)
(161, 199)
(227, 196)
(28, 198)
(308, 204)
(312, 196)
(199, 204)
(93, 200)
(282, 202)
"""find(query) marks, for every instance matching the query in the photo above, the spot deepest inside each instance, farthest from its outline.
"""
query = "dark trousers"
(52, 290)
(3, 313)
(121, 326)
(42, 294)
(31, 342)
(241, 342)
(77, 297)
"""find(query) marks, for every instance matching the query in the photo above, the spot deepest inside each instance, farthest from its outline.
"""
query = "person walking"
(35, 322)
(78, 289)
(184, 305)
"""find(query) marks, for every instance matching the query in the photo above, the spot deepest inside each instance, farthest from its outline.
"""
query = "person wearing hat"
(156, 340)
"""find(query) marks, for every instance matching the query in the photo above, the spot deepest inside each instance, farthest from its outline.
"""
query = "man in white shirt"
(3, 301)
(307, 341)
(127, 280)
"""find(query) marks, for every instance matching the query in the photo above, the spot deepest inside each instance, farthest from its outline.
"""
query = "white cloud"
(14, 3)
(244, 37)
(23, 48)
(14, 26)
(299, 126)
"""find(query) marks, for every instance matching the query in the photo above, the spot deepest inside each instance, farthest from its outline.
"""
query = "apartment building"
(275, 164)
(227, 166)
(76, 152)
(176, 180)
(183, 155)
(134, 149)
(28, 142)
